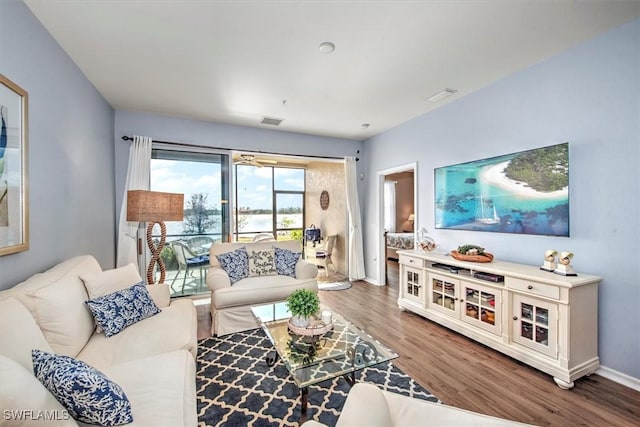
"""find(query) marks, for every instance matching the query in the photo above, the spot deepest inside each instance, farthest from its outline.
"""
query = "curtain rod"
(181, 144)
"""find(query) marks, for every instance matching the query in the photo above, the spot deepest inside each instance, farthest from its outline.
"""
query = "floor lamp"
(154, 207)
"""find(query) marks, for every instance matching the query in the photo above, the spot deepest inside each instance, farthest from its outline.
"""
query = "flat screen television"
(524, 193)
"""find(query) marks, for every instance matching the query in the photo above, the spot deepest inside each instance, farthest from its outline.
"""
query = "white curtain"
(356, 253)
(137, 179)
(390, 206)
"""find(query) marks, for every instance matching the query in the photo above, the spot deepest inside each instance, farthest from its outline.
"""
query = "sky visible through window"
(254, 185)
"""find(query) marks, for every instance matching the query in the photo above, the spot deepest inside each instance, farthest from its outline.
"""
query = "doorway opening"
(397, 190)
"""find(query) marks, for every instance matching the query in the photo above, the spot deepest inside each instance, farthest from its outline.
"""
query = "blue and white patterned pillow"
(88, 395)
(116, 311)
(235, 263)
(286, 261)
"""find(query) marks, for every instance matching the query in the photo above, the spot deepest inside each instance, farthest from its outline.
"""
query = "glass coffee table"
(342, 351)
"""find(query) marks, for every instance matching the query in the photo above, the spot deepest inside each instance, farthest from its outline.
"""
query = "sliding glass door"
(203, 178)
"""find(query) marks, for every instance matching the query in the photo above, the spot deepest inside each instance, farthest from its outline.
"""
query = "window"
(203, 179)
(263, 191)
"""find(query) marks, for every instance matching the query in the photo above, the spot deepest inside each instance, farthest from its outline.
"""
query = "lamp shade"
(411, 217)
(143, 205)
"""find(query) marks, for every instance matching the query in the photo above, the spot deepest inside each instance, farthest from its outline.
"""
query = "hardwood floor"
(468, 375)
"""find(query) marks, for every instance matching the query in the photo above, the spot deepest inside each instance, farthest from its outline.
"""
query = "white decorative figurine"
(563, 267)
(549, 260)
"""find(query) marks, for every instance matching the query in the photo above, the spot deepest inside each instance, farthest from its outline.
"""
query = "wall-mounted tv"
(523, 193)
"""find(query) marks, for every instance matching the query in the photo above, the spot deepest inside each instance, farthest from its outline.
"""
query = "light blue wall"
(71, 181)
(210, 134)
(589, 96)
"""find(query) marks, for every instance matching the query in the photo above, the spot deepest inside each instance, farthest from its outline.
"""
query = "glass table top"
(343, 350)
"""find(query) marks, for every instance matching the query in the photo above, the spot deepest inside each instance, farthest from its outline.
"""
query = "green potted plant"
(302, 304)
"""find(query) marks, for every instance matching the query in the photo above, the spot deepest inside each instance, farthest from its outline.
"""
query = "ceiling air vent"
(271, 121)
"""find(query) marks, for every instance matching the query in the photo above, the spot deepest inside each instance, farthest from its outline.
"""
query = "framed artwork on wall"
(522, 193)
(14, 201)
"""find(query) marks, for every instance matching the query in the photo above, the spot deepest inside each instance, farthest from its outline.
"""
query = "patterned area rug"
(334, 286)
(235, 387)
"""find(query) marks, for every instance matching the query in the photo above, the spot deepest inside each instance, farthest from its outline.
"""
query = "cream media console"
(543, 319)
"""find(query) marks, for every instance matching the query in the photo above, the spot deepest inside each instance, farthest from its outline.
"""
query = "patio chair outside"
(188, 261)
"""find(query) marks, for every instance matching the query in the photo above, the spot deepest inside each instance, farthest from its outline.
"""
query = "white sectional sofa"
(367, 405)
(153, 360)
(231, 303)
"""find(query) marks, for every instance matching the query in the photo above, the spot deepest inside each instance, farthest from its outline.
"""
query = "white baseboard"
(372, 281)
(619, 377)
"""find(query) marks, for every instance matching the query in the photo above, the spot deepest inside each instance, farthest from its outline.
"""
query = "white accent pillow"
(109, 281)
(63, 317)
(20, 333)
(106, 282)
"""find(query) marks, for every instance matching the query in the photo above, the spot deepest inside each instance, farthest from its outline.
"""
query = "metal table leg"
(272, 358)
(304, 400)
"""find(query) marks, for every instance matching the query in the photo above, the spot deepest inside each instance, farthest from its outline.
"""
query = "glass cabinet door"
(412, 287)
(535, 324)
(481, 307)
(443, 295)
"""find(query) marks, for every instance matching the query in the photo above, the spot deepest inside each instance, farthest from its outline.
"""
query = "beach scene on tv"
(524, 193)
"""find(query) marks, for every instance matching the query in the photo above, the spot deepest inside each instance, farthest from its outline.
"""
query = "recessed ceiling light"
(441, 95)
(327, 47)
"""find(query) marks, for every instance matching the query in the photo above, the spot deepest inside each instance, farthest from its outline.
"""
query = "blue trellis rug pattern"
(235, 387)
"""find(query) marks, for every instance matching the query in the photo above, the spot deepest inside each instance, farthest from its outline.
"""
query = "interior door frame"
(382, 257)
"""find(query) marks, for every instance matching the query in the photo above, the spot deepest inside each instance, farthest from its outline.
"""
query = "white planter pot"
(300, 322)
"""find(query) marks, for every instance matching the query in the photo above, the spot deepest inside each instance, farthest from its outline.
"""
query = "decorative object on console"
(522, 193)
(154, 207)
(563, 267)
(425, 242)
(549, 260)
(472, 253)
(302, 304)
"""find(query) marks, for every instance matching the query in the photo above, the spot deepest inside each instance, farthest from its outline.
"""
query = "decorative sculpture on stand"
(563, 267)
(549, 260)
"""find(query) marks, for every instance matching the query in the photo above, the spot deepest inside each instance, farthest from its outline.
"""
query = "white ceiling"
(236, 61)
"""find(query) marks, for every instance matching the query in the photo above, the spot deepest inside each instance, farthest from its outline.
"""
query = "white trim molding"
(371, 281)
(619, 377)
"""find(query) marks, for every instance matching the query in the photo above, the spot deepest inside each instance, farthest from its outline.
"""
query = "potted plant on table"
(302, 304)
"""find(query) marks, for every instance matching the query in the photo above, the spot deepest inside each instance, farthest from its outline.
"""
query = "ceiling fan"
(250, 159)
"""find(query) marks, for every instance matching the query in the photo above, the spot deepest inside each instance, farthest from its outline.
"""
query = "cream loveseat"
(367, 405)
(231, 302)
(153, 360)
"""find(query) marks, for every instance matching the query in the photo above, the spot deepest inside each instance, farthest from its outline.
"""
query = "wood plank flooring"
(468, 375)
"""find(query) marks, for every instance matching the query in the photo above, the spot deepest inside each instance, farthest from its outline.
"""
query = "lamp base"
(156, 250)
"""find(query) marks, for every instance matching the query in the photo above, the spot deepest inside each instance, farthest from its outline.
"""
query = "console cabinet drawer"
(409, 260)
(534, 288)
